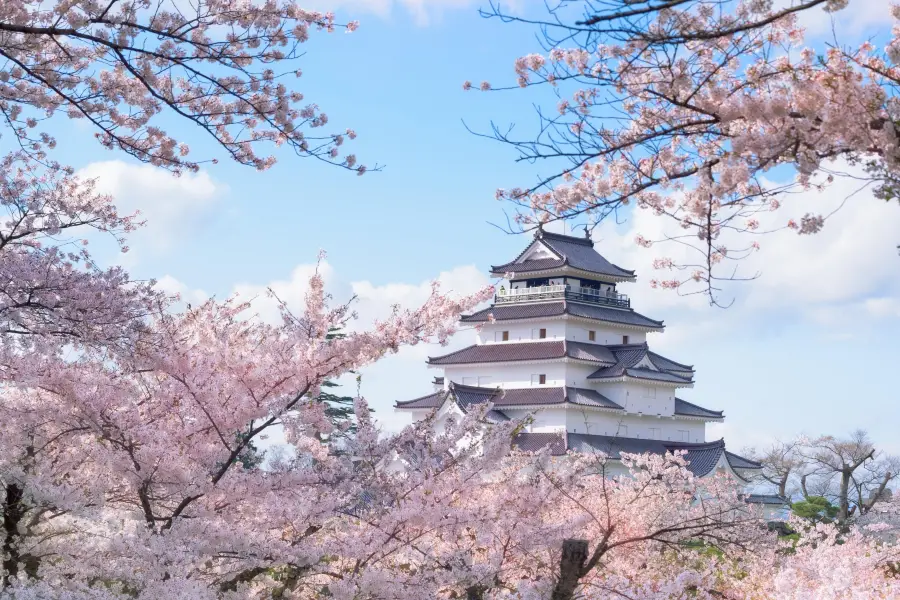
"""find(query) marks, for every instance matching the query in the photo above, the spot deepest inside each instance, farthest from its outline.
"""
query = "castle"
(562, 342)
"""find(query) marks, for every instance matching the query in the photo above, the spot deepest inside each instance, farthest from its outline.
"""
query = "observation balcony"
(562, 292)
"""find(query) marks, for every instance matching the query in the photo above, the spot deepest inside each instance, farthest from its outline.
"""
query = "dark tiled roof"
(535, 396)
(510, 352)
(438, 381)
(434, 400)
(467, 395)
(667, 364)
(589, 398)
(527, 266)
(739, 462)
(702, 457)
(617, 371)
(629, 355)
(536, 310)
(590, 352)
(765, 499)
(532, 442)
(576, 252)
(611, 315)
(496, 416)
(502, 353)
(683, 407)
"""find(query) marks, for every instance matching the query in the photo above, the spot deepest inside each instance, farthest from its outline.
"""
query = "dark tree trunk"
(13, 511)
(844, 499)
(571, 565)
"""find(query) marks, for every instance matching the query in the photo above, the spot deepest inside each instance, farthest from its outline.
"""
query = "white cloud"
(173, 286)
(859, 17)
(398, 375)
(173, 206)
(291, 291)
(850, 261)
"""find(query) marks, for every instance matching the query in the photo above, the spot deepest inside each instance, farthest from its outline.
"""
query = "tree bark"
(844, 498)
(13, 511)
(571, 564)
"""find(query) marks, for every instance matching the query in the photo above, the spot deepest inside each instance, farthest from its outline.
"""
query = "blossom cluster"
(684, 110)
(123, 66)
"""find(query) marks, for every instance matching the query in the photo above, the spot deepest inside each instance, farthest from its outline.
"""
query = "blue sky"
(809, 347)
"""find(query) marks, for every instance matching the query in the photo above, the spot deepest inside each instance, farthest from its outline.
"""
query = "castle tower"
(562, 341)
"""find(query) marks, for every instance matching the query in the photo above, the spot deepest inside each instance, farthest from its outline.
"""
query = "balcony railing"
(561, 292)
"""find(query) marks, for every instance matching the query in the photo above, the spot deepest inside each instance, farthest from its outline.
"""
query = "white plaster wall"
(634, 426)
(649, 399)
(522, 332)
(559, 329)
(606, 334)
(602, 423)
(511, 376)
(548, 420)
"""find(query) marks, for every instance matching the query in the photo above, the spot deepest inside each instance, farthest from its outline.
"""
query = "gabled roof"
(618, 372)
(467, 395)
(575, 252)
(435, 400)
(739, 462)
(688, 409)
(538, 310)
(702, 457)
(630, 363)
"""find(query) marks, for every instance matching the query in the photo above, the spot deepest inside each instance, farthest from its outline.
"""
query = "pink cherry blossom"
(683, 110)
(121, 66)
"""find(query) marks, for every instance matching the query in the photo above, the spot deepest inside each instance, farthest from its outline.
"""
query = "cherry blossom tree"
(686, 107)
(126, 67)
(123, 471)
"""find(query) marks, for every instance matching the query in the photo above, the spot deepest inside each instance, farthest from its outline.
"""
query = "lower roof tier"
(613, 362)
(536, 397)
(702, 458)
(542, 310)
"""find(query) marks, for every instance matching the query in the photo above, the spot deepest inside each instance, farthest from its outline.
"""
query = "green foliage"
(338, 408)
(251, 457)
(816, 509)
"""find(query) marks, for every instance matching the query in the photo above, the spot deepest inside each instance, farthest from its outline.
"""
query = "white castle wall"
(643, 398)
(558, 330)
(577, 420)
(507, 376)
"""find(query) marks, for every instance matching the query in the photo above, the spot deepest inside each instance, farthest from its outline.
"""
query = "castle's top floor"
(554, 254)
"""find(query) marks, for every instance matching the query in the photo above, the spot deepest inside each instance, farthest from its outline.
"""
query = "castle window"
(624, 339)
(655, 433)
(539, 379)
(543, 333)
(592, 336)
(684, 436)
